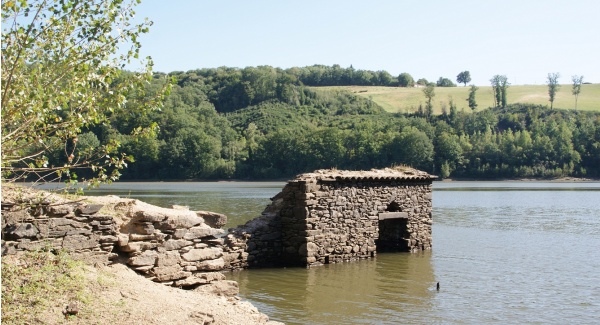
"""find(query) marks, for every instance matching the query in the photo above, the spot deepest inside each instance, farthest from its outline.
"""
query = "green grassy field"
(407, 100)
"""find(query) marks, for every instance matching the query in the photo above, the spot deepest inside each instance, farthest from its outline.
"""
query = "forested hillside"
(264, 122)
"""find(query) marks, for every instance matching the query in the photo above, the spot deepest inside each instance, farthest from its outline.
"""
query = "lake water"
(503, 252)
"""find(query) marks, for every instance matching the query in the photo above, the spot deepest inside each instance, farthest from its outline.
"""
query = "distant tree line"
(265, 123)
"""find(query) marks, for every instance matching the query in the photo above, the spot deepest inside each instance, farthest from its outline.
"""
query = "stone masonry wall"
(331, 216)
(175, 247)
(343, 219)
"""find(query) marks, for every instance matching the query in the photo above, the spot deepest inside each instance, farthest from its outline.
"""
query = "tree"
(406, 80)
(504, 87)
(62, 74)
(471, 100)
(412, 147)
(463, 78)
(422, 82)
(445, 82)
(429, 92)
(499, 87)
(553, 86)
(577, 81)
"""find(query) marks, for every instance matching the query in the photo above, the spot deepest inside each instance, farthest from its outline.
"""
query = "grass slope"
(407, 100)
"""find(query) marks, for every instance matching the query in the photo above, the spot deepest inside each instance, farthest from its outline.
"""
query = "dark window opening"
(393, 231)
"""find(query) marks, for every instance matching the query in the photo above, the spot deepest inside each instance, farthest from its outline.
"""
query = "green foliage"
(445, 82)
(553, 87)
(472, 101)
(429, 93)
(294, 128)
(463, 78)
(412, 147)
(406, 80)
(62, 74)
(422, 82)
(499, 87)
(577, 81)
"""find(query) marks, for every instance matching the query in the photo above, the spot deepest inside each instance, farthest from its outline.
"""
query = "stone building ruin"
(327, 216)
(330, 216)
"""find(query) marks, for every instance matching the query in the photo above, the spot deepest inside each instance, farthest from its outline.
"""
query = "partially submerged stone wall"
(331, 216)
(323, 217)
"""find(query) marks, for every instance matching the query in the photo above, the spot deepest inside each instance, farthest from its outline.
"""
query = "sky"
(522, 39)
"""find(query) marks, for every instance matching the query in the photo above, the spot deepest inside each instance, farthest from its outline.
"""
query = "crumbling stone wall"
(331, 216)
(78, 228)
(175, 247)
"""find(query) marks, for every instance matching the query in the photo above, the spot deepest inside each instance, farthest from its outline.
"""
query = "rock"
(200, 278)
(213, 219)
(175, 244)
(134, 247)
(79, 242)
(71, 309)
(167, 259)
(59, 210)
(145, 258)
(201, 232)
(88, 209)
(211, 265)
(181, 221)
(201, 254)
(170, 273)
(123, 239)
(225, 288)
(149, 216)
(109, 239)
(21, 230)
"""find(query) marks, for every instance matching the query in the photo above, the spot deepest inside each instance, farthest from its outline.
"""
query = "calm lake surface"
(503, 252)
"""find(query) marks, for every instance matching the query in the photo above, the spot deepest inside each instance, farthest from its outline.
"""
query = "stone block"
(88, 209)
(149, 216)
(170, 273)
(175, 244)
(393, 215)
(79, 242)
(59, 210)
(139, 246)
(202, 254)
(201, 232)
(181, 221)
(168, 258)
(225, 288)
(215, 220)
(211, 265)
(145, 258)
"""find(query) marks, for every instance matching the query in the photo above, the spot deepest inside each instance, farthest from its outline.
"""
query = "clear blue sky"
(522, 39)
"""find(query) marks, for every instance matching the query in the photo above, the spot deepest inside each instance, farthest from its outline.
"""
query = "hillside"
(407, 100)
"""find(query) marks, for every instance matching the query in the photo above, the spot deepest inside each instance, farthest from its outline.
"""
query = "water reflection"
(388, 289)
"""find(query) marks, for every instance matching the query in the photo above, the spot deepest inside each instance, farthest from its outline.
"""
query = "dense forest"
(266, 123)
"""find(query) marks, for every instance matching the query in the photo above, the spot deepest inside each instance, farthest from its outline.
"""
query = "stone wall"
(323, 217)
(175, 247)
(331, 216)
